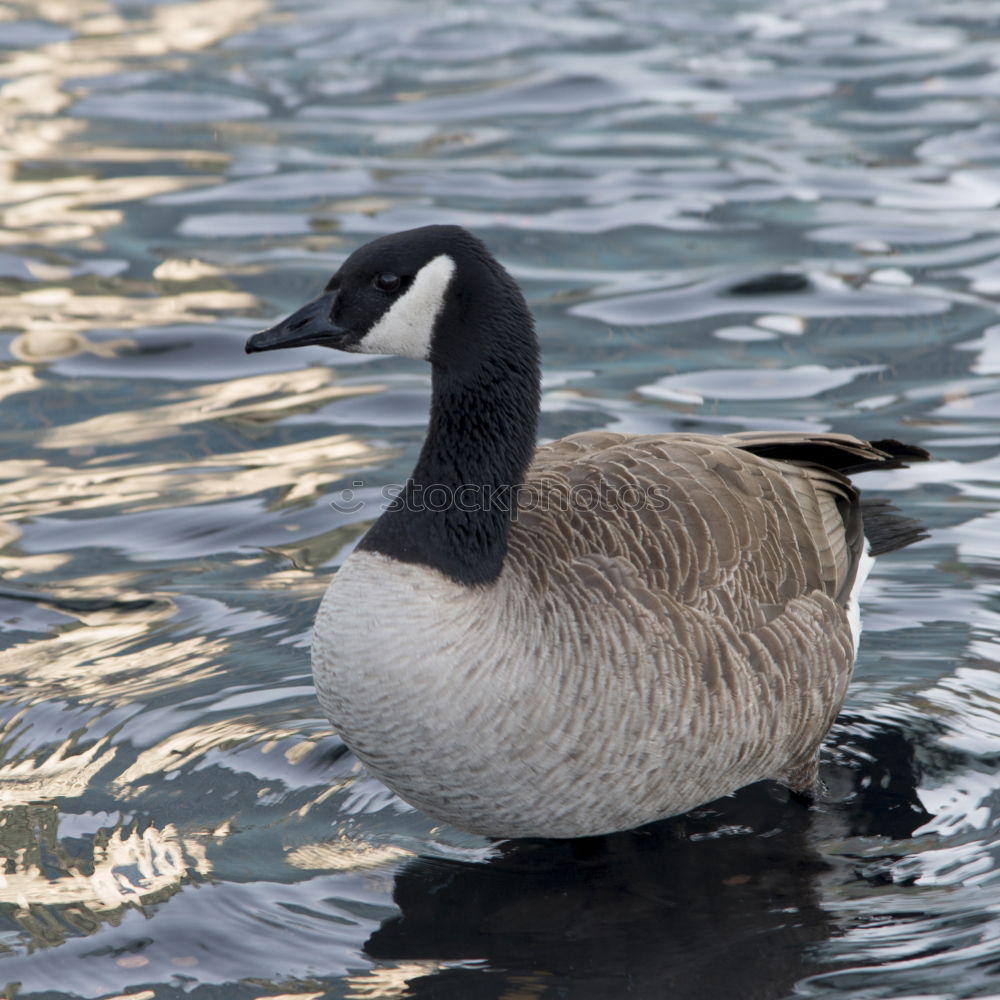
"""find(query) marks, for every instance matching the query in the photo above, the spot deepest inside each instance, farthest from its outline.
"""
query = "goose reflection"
(722, 902)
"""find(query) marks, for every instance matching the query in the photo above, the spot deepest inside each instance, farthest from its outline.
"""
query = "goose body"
(602, 632)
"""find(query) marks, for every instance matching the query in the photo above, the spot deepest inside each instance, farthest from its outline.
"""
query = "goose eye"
(387, 281)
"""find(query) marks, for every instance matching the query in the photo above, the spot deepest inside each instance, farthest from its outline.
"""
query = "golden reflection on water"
(104, 42)
(67, 194)
(53, 344)
(65, 772)
(55, 319)
(188, 746)
(18, 378)
(100, 665)
(54, 210)
(33, 488)
(291, 996)
(122, 869)
(62, 205)
(18, 565)
(257, 398)
(345, 854)
(188, 269)
(389, 982)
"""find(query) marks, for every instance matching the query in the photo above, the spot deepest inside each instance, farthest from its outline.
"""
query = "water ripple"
(711, 209)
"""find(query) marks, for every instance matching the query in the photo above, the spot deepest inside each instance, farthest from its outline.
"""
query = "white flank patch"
(865, 564)
(407, 326)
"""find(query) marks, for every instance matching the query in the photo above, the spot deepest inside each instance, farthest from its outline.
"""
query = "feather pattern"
(679, 647)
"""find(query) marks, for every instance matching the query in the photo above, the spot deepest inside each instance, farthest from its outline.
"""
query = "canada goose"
(602, 632)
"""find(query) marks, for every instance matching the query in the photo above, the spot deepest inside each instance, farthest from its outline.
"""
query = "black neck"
(456, 510)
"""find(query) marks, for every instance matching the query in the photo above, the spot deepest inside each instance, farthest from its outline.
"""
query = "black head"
(423, 293)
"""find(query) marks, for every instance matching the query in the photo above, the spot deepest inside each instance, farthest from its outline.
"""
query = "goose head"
(433, 294)
(437, 294)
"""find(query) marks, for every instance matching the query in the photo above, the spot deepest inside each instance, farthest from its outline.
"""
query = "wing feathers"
(745, 522)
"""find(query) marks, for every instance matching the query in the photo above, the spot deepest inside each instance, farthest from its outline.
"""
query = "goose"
(587, 636)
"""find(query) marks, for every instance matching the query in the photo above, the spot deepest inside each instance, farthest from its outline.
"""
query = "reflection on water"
(611, 930)
(733, 216)
(658, 912)
(724, 902)
(123, 868)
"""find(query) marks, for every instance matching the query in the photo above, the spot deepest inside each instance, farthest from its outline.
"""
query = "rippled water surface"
(725, 215)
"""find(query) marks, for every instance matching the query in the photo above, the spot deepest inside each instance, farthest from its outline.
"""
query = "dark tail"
(885, 528)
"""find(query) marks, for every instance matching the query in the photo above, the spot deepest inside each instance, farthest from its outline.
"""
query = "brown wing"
(702, 518)
(688, 570)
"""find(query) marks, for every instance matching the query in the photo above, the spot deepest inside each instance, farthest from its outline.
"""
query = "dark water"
(725, 215)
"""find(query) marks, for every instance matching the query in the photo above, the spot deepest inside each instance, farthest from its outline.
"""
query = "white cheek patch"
(407, 327)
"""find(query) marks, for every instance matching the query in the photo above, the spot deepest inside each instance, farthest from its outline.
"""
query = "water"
(725, 216)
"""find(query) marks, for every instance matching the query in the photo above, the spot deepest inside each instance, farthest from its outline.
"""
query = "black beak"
(310, 325)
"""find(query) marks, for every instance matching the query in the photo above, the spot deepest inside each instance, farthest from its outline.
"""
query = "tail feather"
(885, 528)
(841, 452)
